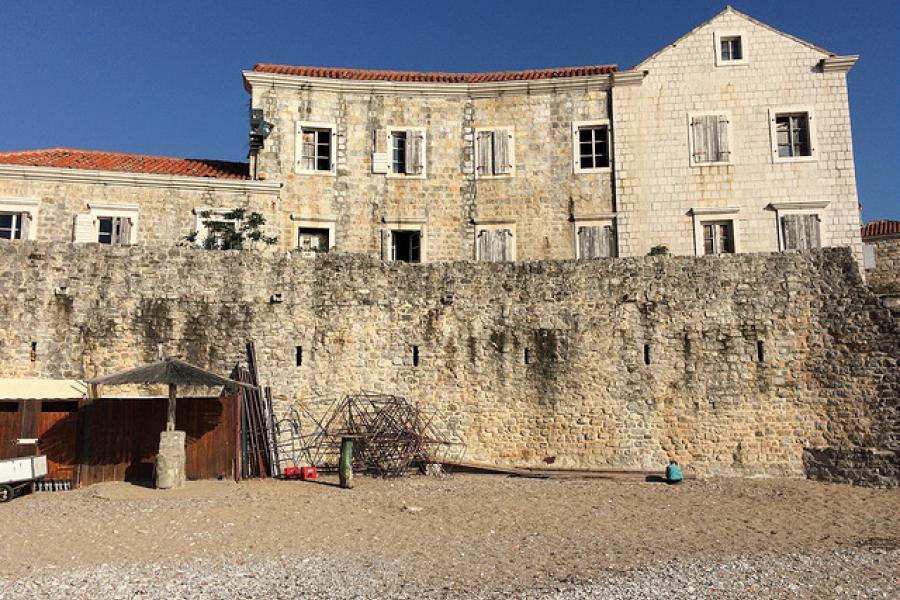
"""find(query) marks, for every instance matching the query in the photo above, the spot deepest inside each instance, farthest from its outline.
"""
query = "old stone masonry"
(607, 267)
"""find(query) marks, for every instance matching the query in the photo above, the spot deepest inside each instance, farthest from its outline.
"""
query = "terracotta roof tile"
(94, 160)
(432, 77)
(880, 228)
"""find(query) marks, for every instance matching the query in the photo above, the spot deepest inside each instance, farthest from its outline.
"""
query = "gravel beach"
(461, 536)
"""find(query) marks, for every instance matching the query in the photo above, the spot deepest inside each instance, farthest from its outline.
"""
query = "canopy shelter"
(170, 463)
(172, 372)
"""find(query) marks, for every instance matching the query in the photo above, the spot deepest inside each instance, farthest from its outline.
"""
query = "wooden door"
(57, 437)
(10, 424)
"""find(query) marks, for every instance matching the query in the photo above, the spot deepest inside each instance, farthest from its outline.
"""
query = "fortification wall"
(885, 277)
(731, 365)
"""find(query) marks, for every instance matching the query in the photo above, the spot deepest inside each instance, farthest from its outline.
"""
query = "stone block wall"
(732, 366)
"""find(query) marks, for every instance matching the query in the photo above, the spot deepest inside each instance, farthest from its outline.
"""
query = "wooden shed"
(90, 440)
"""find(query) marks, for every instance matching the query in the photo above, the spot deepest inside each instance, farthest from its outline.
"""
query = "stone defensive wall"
(765, 364)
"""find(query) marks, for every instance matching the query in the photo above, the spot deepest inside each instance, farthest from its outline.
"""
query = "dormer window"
(730, 49)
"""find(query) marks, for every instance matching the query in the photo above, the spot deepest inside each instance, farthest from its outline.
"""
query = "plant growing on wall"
(232, 230)
(659, 251)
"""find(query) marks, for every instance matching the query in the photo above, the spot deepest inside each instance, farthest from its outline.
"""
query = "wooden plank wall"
(121, 438)
(57, 434)
(10, 424)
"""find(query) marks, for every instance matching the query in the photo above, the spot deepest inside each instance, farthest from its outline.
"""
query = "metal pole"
(170, 421)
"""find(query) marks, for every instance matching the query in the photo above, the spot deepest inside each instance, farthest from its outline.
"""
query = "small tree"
(231, 230)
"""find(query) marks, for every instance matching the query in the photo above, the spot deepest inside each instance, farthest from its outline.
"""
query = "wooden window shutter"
(386, 245)
(698, 126)
(810, 224)
(504, 242)
(791, 231)
(84, 229)
(711, 126)
(484, 246)
(124, 230)
(502, 164)
(587, 240)
(25, 226)
(414, 152)
(724, 153)
(483, 153)
(607, 242)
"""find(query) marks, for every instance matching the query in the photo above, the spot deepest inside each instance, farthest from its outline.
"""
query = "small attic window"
(730, 49)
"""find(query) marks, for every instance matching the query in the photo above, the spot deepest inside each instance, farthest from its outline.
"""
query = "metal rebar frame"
(391, 434)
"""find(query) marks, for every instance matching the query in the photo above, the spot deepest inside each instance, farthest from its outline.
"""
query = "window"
(800, 232)
(730, 48)
(313, 239)
(718, 237)
(398, 152)
(213, 227)
(494, 153)
(591, 146)
(315, 148)
(406, 246)
(495, 245)
(14, 226)
(18, 218)
(114, 231)
(407, 151)
(596, 241)
(709, 139)
(792, 134)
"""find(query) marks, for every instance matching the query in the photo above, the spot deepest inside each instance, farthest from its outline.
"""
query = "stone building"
(735, 138)
(881, 249)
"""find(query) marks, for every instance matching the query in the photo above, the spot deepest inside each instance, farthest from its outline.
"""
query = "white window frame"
(391, 129)
(702, 215)
(512, 152)
(20, 205)
(215, 214)
(392, 224)
(817, 208)
(593, 221)
(576, 149)
(128, 211)
(718, 35)
(494, 225)
(776, 111)
(710, 113)
(298, 148)
(305, 222)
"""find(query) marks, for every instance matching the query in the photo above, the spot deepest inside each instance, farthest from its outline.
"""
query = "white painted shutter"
(698, 126)
(413, 152)
(124, 230)
(25, 226)
(501, 152)
(485, 248)
(483, 153)
(504, 239)
(386, 242)
(724, 152)
(84, 229)
(380, 162)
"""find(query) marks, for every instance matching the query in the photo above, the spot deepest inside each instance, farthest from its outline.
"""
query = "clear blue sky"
(164, 77)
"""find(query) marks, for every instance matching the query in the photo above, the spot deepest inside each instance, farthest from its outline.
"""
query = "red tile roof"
(880, 228)
(94, 160)
(431, 77)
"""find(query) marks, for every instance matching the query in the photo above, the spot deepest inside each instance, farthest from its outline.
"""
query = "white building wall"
(656, 186)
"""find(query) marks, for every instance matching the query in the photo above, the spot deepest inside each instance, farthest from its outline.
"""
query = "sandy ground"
(486, 531)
